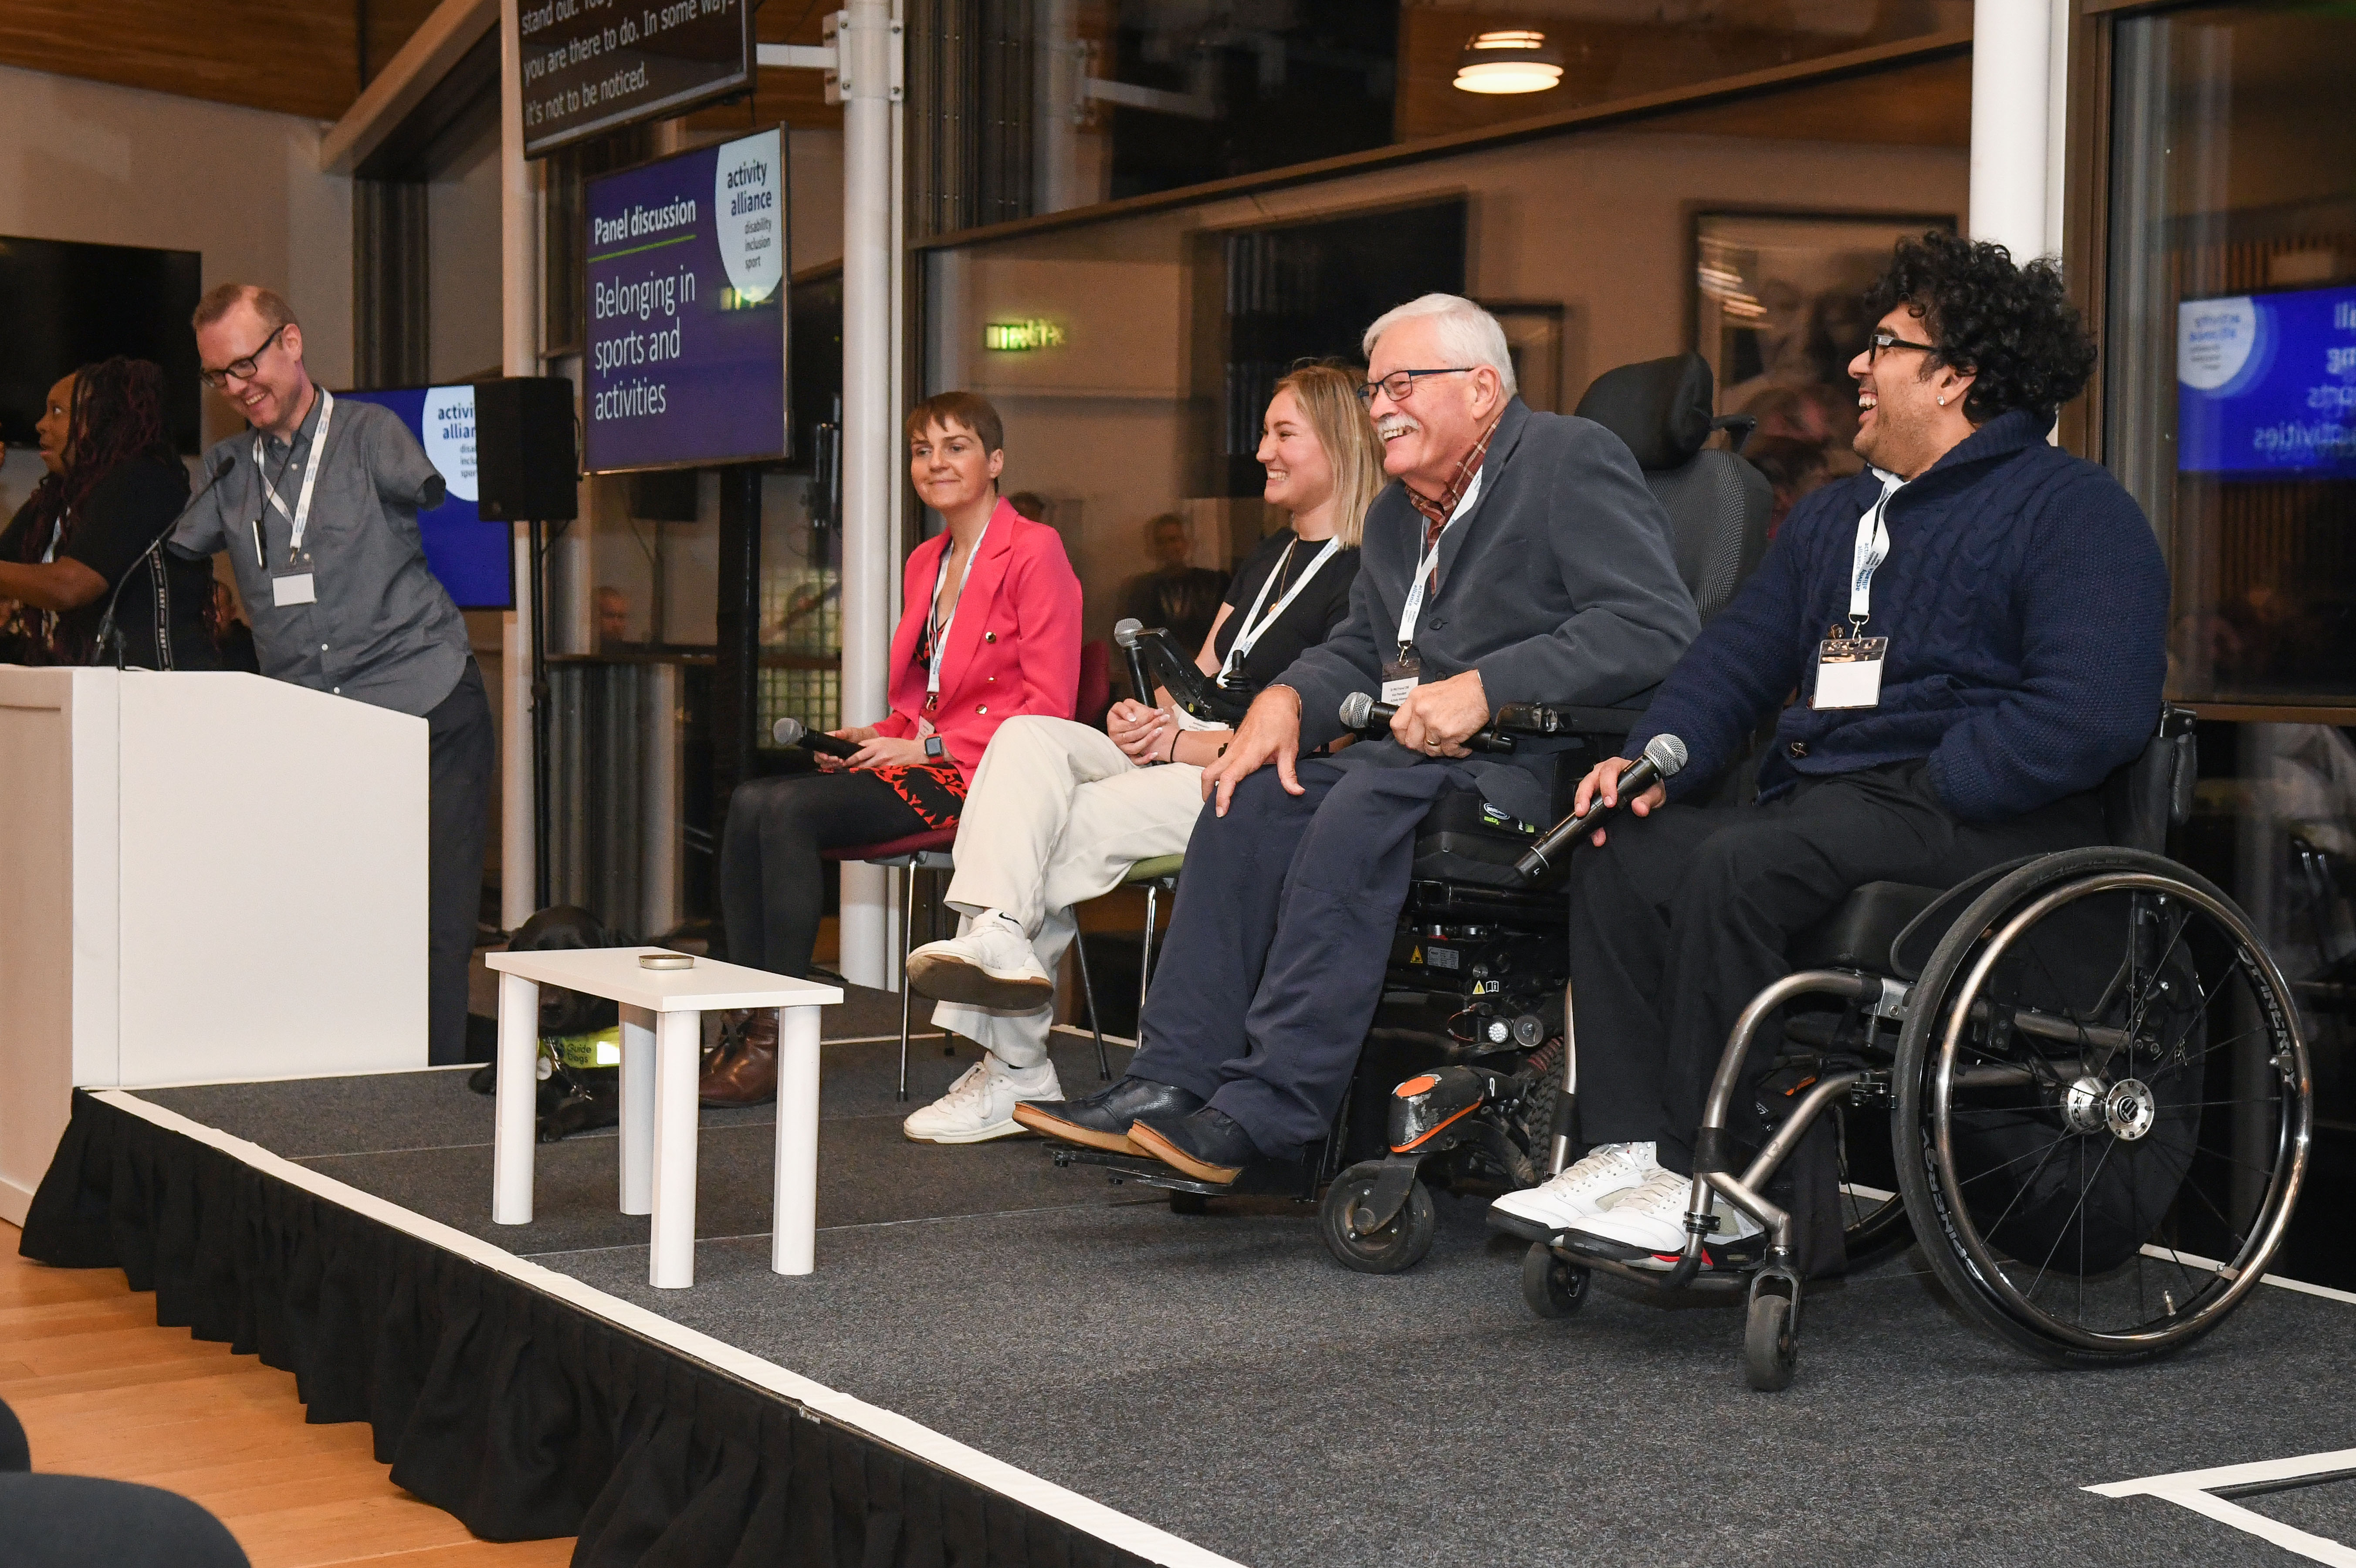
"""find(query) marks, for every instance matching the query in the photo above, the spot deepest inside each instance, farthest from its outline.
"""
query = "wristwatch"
(934, 751)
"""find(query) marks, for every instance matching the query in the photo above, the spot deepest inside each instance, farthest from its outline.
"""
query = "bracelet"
(1173, 745)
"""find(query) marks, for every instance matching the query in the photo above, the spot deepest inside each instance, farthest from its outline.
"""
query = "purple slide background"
(724, 397)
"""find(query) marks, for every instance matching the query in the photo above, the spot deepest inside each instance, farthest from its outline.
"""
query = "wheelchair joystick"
(1663, 756)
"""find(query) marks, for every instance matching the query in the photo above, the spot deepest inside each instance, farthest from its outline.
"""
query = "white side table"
(662, 1037)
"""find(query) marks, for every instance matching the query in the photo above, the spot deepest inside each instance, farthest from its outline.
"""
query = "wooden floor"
(103, 1392)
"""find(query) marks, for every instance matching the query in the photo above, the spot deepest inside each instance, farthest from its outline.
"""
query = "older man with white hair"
(1517, 558)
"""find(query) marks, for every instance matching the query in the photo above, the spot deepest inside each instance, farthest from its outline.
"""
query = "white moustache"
(1398, 424)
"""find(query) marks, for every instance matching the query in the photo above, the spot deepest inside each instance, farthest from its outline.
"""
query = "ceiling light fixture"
(1516, 60)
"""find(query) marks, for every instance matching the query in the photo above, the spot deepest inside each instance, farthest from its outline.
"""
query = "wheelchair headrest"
(1661, 408)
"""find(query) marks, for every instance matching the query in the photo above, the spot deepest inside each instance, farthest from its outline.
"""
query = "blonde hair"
(1328, 396)
(223, 298)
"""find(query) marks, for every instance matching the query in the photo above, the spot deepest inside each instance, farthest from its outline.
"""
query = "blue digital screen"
(2265, 385)
(684, 356)
(475, 559)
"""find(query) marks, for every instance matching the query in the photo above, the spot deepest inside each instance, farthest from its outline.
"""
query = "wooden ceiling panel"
(296, 59)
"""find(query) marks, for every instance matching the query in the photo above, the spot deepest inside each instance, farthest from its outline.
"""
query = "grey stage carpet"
(1218, 1375)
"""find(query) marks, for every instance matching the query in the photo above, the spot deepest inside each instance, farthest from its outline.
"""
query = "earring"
(1943, 402)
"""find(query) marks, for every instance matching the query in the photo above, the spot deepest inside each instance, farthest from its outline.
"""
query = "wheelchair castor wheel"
(1182, 1202)
(1554, 1286)
(1771, 1345)
(1357, 1244)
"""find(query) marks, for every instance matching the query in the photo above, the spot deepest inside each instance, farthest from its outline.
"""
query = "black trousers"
(1282, 927)
(1684, 915)
(464, 757)
(63, 1521)
(772, 887)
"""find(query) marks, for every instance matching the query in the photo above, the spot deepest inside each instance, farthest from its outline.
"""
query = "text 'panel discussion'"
(1303, 783)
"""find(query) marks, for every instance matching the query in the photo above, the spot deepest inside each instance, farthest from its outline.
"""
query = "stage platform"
(1189, 1388)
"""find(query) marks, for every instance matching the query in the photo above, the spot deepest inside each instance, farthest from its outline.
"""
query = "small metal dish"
(666, 961)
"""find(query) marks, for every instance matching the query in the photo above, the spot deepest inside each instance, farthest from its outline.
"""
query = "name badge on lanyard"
(290, 588)
(1848, 663)
(1404, 674)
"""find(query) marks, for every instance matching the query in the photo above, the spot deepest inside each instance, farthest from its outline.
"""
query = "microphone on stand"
(1364, 714)
(107, 635)
(794, 732)
(1663, 756)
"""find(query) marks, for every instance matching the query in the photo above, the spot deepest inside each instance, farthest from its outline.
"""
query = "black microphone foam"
(794, 732)
(1663, 756)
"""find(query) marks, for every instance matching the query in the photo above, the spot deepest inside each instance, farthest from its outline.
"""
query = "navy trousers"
(1282, 927)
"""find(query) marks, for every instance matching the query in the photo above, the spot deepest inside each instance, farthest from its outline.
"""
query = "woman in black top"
(1058, 813)
(82, 542)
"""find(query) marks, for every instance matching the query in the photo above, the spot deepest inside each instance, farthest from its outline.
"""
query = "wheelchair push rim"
(2136, 1077)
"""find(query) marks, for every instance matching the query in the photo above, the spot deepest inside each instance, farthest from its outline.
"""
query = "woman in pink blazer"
(992, 630)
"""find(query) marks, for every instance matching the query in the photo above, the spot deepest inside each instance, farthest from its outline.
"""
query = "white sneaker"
(989, 966)
(980, 1104)
(1581, 1190)
(1646, 1225)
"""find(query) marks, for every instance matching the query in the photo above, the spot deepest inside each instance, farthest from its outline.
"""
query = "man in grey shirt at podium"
(316, 507)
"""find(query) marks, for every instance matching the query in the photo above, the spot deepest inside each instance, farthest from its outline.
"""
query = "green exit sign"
(1017, 337)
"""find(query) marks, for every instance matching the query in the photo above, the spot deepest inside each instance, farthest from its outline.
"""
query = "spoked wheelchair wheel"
(2102, 1108)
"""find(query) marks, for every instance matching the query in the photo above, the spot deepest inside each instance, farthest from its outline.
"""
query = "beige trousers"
(1056, 816)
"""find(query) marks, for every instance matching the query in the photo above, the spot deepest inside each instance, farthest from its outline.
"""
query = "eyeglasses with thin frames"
(1884, 339)
(1399, 385)
(242, 369)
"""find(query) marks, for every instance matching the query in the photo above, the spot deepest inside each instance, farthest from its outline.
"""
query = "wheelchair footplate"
(1261, 1179)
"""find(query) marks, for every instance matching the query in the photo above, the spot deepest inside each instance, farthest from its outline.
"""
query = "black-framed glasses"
(1398, 384)
(242, 369)
(1884, 339)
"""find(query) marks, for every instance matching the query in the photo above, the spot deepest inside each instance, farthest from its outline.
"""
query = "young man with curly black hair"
(1955, 647)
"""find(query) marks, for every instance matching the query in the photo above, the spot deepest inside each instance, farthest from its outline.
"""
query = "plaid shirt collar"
(1437, 513)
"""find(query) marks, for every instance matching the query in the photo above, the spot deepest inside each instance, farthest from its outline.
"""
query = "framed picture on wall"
(1534, 338)
(1779, 313)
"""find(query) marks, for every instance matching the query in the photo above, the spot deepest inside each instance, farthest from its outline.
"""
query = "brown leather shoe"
(743, 1072)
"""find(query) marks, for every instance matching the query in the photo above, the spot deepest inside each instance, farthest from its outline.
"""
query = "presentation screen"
(475, 559)
(684, 349)
(64, 304)
(2265, 385)
(592, 65)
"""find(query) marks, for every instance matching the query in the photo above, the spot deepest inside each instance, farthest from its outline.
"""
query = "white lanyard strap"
(940, 638)
(1872, 549)
(300, 517)
(1430, 564)
(1255, 624)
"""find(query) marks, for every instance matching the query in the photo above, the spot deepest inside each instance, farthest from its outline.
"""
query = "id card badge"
(295, 588)
(1848, 672)
(1401, 676)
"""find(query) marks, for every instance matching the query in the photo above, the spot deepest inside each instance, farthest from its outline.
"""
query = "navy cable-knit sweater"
(2026, 605)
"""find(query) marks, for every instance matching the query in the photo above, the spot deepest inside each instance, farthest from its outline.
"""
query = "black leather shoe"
(1207, 1145)
(1102, 1120)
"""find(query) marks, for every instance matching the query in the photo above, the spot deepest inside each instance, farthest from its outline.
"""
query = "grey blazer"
(1558, 586)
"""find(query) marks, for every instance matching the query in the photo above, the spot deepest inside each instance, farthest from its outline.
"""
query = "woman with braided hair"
(83, 542)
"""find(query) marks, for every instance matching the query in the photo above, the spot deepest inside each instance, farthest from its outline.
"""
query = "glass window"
(2231, 385)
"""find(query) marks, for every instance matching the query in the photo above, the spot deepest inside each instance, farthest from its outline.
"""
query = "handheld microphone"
(794, 732)
(1663, 756)
(107, 635)
(1124, 633)
(1364, 714)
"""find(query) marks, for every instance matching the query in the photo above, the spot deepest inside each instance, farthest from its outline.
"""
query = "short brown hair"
(223, 298)
(969, 411)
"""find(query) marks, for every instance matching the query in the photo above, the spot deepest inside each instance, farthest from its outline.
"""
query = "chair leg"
(907, 939)
(1145, 967)
(1088, 995)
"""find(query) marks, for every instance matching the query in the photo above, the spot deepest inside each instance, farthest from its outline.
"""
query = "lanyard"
(1872, 549)
(300, 517)
(939, 640)
(1255, 626)
(1428, 567)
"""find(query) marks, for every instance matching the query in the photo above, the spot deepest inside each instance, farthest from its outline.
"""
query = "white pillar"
(519, 356)
(2012, 109)
(871, 50)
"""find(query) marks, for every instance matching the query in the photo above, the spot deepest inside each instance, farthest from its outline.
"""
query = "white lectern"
(202, 877)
